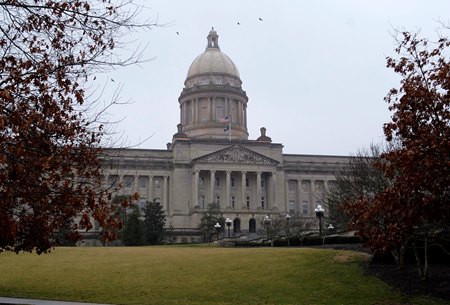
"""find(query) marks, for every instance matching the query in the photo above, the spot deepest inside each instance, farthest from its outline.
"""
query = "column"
(120, 184)
(227, 191)
(165, 194)
(258, 189)
(212, 185)
(195, 188)
(150, 189)
(274, 189)
(299, 196)
(286, 192)
(238, 111)
(214, 108)
(243, 187)
(135, 184)
(105, 182)
(312, 196)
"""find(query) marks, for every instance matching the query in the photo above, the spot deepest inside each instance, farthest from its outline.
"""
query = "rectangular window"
(202, 181)
(248, 202)
(158, 183)
(305, 209)
(113, 180)
(262, 183)
(232, 182)
(143, 181)
(305, 186)
(262, 202)
(232, 202)
(247, 183)
(292, 185)
(291, 207)
(217, 199)
(217, 181)
(128, 181)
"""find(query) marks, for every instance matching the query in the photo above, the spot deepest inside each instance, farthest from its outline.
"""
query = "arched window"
(236, 225)
(252, 225)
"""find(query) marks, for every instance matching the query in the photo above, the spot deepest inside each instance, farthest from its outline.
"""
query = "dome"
(213, 61)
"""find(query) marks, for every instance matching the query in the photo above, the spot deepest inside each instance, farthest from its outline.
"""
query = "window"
(232, 202)
(113, 180)
(248, 202)
(158, 183)
(305, 186)
(262, 183)
(217, 181)
(291, 207)
(202, 181)
(128, 181)
(143, 182)
(247, 182)
(305, 208)
(291, 185)
(217, 199)
(262, 202)
(318, 186)
(232, 181)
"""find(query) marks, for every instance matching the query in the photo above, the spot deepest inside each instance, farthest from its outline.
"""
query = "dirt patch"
(408, 282)
(347, 257)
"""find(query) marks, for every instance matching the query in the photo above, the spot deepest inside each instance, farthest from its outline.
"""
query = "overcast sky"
(314, 71)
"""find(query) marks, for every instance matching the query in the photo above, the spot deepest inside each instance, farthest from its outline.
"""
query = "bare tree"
(50, 173)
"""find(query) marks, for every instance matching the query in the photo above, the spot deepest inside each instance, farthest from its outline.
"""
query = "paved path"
(39, 302)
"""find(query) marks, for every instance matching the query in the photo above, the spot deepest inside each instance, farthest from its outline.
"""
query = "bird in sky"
(178, 33)
(260, 19)
(238, 23)
(112, 79)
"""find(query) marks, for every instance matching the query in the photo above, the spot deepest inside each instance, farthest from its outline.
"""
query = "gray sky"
(314, 71)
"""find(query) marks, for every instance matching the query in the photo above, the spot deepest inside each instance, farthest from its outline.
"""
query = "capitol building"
(211, 159)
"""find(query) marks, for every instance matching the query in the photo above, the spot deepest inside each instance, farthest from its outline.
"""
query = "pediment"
(236, 155)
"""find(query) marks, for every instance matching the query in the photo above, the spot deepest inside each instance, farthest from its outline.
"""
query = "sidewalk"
(9, 301)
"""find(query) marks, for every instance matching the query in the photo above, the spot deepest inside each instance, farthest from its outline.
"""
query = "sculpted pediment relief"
(236, 155)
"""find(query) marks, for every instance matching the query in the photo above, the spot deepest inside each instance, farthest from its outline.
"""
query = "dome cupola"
(212, 92)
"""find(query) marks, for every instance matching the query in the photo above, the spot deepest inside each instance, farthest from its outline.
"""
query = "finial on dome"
(213, 39)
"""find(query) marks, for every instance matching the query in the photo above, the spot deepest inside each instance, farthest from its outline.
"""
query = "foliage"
(49, 167)
(154, 222)
(128, 275)
(134, 232)
(416, 204)
(274, 227)
(298, 228)
(210, 217)
(359, 179)
(170, 234)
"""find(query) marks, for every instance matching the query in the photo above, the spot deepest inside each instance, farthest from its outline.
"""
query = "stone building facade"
(211, 158)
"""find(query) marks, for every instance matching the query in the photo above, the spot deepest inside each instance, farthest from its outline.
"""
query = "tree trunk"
(418, 262)
(425, 258)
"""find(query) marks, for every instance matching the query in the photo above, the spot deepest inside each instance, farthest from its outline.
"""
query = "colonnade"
(150, 190)
(193, 106)
(313, 197)
(259, 192)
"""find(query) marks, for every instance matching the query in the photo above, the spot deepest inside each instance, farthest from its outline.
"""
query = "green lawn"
(196, 275)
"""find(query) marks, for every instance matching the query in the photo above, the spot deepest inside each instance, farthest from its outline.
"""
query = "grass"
(196, 275)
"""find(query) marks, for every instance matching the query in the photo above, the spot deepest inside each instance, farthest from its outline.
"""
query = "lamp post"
(217, 226)
(330, 227)
(288, 229)
(228, 223)
(267, 221)
(319, 214)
